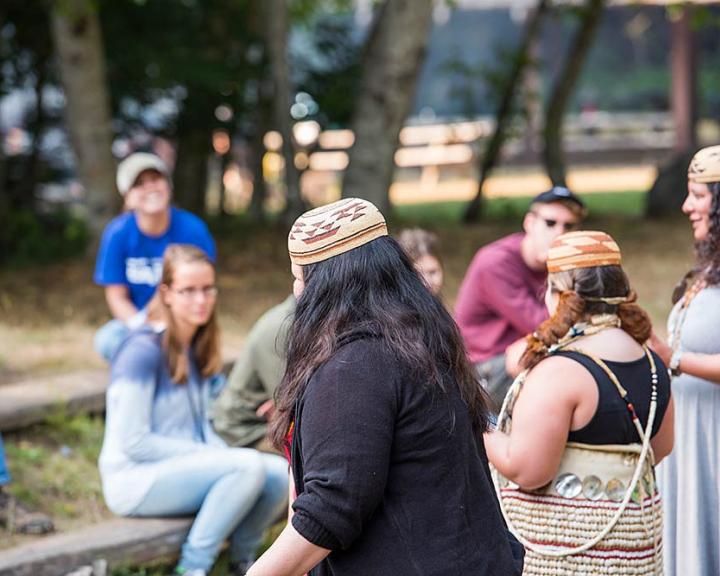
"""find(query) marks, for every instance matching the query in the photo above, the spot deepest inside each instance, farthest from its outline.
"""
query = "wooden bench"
(26, 403)
(94, 550)
(30, 402)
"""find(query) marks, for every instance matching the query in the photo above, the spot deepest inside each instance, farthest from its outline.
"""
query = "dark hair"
(374, 288)
(574, 287)
(707, 252)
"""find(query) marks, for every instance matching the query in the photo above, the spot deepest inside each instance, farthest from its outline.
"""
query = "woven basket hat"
(705, 166)
(583, 249)
(334, 229)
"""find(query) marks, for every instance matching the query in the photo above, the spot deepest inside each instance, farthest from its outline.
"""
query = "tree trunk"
(191, 169)
(275, 16)
(668, 191)
(553, 154)
(491, 154)
(257, 152)
(683, 58)
(36, 127)
(79, 47)
(194, 145)
(670, 187)
(394, 54)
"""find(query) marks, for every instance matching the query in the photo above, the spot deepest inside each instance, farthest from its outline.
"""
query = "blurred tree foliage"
(175, 69)
(30, 230)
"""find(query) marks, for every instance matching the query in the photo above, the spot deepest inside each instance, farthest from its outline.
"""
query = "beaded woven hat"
(333, 229)
(705, 166)
(583, 249)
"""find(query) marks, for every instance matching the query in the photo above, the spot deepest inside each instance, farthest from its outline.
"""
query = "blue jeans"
(4, 474)
(109, 336)
(236, 493)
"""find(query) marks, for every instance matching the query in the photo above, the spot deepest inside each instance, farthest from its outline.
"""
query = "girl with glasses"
(160, 455)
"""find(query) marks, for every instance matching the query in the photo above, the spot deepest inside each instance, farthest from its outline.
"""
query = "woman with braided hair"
(573, 467)
(690, 478)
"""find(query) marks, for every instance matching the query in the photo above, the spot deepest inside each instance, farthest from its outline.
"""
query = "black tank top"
(611, 423)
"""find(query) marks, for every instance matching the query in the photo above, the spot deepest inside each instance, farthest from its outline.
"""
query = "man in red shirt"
(501, 298)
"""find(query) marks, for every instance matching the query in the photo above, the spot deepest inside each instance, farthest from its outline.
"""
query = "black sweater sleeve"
(346, 432)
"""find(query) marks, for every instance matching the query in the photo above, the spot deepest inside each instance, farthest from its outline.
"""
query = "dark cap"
(559, 194)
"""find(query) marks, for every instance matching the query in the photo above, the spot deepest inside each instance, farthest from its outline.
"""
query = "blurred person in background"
(245, 406)
(501, 297)
(129, 261)
(423, 249)
(160, 455)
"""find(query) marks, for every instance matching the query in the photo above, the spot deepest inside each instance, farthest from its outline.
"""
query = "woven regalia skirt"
(582, 504)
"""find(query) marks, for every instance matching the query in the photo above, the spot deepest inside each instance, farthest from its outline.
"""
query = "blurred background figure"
(500, 299)
(245, 406)
(129, 261)
(423, 249)
(160, 455)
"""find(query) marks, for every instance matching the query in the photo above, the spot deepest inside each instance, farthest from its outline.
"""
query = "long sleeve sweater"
(390, 475)
(149, 419)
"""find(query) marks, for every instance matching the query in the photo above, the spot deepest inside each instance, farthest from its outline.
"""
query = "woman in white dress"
(690, 477)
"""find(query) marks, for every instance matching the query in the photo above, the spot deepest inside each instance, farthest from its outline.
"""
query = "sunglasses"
(552, 223)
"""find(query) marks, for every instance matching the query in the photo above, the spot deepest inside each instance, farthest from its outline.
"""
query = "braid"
(569, 310)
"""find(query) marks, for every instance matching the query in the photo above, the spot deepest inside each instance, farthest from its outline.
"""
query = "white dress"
(689, 478)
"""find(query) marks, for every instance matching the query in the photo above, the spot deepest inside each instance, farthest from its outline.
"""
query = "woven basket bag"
(600, 515)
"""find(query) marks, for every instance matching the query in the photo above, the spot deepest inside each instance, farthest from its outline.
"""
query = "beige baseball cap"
(129, 169)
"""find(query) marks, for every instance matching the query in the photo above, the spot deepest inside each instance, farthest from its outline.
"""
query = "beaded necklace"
(595, 324)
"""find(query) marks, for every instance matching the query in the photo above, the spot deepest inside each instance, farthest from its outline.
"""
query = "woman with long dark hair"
(690, 477)
(384, 416)
(160, 455)
(578, 431)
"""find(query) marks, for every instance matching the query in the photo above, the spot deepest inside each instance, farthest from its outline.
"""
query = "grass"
(54, 469)
(629, 204)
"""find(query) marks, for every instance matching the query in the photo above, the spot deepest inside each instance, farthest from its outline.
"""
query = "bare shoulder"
(555, 366)
(559, 375)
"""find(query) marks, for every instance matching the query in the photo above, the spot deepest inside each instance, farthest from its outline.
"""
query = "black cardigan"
(389, 475)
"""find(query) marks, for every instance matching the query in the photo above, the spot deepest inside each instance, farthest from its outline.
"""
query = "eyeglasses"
(191, 292)
(552, 223)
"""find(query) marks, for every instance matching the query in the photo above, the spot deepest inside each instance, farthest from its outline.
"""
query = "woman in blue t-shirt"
(160, 456)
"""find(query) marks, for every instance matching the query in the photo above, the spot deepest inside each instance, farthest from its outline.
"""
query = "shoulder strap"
(623, 393)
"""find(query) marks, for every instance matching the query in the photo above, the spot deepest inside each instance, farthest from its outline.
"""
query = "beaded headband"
(607, 300)
(583, 249)
(705, 166)
(333, 229)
